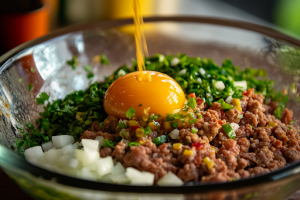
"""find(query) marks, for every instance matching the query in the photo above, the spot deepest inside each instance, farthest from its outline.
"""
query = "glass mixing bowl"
(247, 45)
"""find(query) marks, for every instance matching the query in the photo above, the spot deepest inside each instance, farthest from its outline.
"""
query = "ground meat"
(119, 151)
(233, 115)
(189, 172)
(110, 124)
(106, 151)
(262, 143)
(287, 116)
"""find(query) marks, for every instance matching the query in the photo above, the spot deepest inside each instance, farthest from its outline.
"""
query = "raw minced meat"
(262, 143)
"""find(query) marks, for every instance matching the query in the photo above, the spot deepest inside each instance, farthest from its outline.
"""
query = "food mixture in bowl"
(202, 122)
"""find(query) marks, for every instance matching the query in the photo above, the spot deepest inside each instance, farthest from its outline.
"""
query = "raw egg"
(158, 93)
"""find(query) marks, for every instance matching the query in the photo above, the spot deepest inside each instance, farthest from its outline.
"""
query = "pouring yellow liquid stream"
(141, 46)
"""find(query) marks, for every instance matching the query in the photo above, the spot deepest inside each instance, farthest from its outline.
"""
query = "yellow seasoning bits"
(139, 132)
(188, 152)
(272, 124)
(133, 123)
(141, 142)
(209, 163)
(177, 146)
(167, 125)
(237, 103)
(145, 115)
(153, 125)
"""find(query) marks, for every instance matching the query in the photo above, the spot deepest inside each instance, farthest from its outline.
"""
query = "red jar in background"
(21, 21)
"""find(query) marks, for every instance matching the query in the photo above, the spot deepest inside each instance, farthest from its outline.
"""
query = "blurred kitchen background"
(23, 20)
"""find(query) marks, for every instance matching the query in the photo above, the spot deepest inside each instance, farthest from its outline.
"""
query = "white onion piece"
(220, 85)
(79, 155)
(199, 80)
(93, 144)
(85, 173)
(139, 178)
(100, 139)
(118, 169)
(120, 179)
(90, 155)
(51, 156)
(228, 99)
(202, 71)
(242, 84)
(125, 141)
(33, 153)
(121, 73)
(60, 141)
(175, 61)
(69, 150)
(105, 166)
(47, 146)
(174, 134)
(234, 126)
(170, 179)
(182, 72)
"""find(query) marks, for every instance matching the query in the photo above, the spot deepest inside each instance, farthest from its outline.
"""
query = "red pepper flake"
(197, 160)
(134, 127)
(199, 100)
(220, 122)
(248, 92)
(192, 95)
(197, 145)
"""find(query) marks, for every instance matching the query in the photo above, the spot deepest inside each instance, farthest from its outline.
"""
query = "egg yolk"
(158, 94)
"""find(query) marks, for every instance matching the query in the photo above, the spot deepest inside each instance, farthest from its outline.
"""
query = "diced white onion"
(60, 141)
(118, 169)
(220, 85)
(202, 71)
(100, 139)
(175, 61)
(68, 150)
(121, 73)
(242, 84)
(170, 179)
(228, 99)
(234, 126)
(123, 121)
(90, 156)
(125, 141)
(155, 155)
(85, 173)
(139, 178)
(51, 156)
(199, 80)
(182, 72)
(105, 166)
(120, 179)
(93, 144)
(208, 94)
(208, 75)
(47, 146)
(33, 153)
(174, 134)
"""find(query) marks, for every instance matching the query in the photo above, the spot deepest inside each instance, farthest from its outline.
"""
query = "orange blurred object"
(17, 28)
(162, 94)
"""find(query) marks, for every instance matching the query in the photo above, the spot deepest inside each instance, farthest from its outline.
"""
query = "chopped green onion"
(103, 59)
(30, 87)
(191, 103)
(121, 125)
(229, 131)
(72, 62)
(123, 134)
(160, 140)
(133, 144)
(194, 130)
(200, 116)
(193, 121)
(174, 124)
(32, 70)
(225, 106)
(192, 115)
(289, 127)
(147, 130)
(240, 116)
(101, 124)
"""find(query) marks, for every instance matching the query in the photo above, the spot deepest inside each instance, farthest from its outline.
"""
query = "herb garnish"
(108, 143)
(133, 144)
(130, 113)
(42, 98)
(72, 62)
(104, 60)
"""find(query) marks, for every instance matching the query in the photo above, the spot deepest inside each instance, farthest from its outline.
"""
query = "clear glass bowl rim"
(277, 175)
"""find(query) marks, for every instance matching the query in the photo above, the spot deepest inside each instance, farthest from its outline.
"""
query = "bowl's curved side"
(47, 55)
